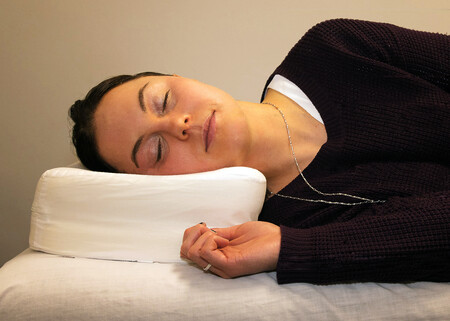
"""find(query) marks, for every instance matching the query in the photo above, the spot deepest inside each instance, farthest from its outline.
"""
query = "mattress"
(37, 286)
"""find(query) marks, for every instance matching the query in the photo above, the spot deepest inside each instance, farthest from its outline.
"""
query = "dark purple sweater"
(383, 93)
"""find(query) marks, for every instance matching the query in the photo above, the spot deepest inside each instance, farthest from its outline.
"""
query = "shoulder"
(332, 38)
(348, 37)
(337, 26)
(345, 29)
(336, 33)
(349, 32)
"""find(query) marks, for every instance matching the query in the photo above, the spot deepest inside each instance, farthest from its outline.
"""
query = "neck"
(270, 150)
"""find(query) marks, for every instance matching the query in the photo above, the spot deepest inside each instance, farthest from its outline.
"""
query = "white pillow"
(81, 213)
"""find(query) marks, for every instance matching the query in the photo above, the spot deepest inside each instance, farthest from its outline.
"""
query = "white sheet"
(36, 286)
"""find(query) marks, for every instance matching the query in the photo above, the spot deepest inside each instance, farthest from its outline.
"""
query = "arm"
(405, 239)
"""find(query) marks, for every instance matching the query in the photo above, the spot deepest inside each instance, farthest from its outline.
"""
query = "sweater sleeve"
(405, 239)
(422, 54)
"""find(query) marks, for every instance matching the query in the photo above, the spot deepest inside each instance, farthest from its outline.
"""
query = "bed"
(106, 247)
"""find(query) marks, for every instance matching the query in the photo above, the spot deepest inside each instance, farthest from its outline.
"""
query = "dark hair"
(82, 115)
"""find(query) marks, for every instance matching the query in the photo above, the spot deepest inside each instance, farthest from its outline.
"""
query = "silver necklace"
(363, 200)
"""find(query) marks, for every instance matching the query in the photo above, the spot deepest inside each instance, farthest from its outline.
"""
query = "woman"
(352, 136)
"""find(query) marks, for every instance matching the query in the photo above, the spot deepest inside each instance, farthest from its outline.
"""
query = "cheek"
(181, 160)
(184, 165)
(200, 95)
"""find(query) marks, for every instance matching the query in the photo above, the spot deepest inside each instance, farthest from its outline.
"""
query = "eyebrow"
(141, 98)
(135, 150)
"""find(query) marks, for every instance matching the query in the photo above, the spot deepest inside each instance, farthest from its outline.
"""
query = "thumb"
(226, 232)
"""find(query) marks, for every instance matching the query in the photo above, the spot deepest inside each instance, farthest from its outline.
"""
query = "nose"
(176, 125)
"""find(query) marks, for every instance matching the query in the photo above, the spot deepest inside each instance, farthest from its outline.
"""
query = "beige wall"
(53, 51)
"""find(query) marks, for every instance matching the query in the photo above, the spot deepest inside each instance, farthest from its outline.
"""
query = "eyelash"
(159, 152)
(164, 105)
(159, 146)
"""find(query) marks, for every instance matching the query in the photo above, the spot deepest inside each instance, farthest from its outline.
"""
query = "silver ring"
(207, 267)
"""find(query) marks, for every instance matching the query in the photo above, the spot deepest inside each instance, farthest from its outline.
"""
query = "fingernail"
(202, 223)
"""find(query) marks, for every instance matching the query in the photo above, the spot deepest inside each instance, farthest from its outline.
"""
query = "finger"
(207, 241)
(211, 244)
(220, 243)
(189, 231)
(193, 253)
(196, 257)
(191, 235)
(218, 272)
(210, 251)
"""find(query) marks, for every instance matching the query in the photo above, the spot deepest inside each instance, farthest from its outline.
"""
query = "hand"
(248, 248)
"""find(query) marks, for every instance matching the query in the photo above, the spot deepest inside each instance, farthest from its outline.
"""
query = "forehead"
(122, 99)
(116, 94)
(116, 121)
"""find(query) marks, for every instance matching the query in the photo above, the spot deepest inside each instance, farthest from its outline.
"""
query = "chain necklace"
(362, 200)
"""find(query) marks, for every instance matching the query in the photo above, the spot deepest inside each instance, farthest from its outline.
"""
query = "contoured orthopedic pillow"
(81, 213)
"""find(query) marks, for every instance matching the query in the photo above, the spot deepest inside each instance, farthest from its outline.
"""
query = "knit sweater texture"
(383, 93)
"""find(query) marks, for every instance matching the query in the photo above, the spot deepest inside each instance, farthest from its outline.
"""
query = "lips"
(209, 130)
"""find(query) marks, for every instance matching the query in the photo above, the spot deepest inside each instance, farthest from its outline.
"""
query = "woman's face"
(170, 125)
